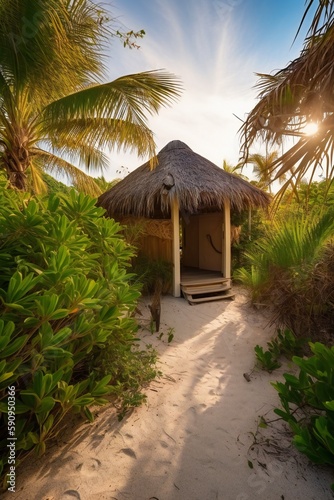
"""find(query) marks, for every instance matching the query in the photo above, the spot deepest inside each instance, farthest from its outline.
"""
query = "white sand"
(192, 439)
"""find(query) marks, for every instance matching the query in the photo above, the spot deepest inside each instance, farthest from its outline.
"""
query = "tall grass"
(289, 270)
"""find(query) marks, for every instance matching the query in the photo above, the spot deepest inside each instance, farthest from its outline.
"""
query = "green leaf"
(59, 314)
(39, 384)
(53, 202)
(46, 305)
(88, 414)
(292, 380)
(31, 322)
(6, 329)
(56, 352)
(30, 399)
(40, 448)
(19, 286)
(51, 380)
(61, 336)
(45, 405)
(284, 415)
(47, 426)
(325, 435)
(102, 388)
(14, 347)
(107, 312)
(5, 376)
(33, 437)
(63, 258)
(329, 405)
(84, 401)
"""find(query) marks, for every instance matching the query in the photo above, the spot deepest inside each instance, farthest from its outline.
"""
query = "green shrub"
(308, 404)
(284, 343)
(67, 338)
(266, 359)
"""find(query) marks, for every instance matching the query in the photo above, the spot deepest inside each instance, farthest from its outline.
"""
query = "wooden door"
(211, 241)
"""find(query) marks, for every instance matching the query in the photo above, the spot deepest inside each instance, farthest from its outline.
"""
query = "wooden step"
(194, 300)
(206, 288)
(206, 293)
(203, 281)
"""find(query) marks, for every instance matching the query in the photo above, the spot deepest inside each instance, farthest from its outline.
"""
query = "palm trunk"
(18, 180)
(16, 164)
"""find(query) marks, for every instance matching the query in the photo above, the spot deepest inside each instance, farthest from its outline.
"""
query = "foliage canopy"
(299, 94)
(57, 113)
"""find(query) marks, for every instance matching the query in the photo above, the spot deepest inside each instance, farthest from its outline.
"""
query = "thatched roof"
(197, 183)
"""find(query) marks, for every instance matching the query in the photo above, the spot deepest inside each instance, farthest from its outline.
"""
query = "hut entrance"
(202, 242)
(202, 258)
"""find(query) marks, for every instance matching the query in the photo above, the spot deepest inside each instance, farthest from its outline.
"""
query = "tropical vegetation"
(250, 223)
(308, 404)
(299, 94)
(286, 265)
(67, 335)
(291, 271)
(57, 111)
(262, 169)
(233, 169)
(291, 268)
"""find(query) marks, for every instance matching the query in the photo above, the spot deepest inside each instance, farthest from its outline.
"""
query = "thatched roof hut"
(197, 184)
(185, 184)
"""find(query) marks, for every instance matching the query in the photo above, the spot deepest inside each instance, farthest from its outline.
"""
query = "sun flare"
(311, 128)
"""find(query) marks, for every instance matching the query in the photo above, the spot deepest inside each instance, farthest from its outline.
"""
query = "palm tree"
(234, 169)
(300, 93)
(104, 185)
(56, 114)
(262, 168)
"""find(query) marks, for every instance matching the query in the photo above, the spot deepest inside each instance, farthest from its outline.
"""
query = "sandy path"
(191, 441)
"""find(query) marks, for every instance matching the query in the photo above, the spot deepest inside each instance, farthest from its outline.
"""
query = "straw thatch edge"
(197, 183)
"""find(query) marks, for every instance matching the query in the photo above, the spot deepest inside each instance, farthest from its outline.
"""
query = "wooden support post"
(176, 248)
(226, 264)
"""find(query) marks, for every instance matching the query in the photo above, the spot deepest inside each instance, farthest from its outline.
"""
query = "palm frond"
(234, 169)
(300, 93)
(291, 246)
(79, 152)
(55, 165)
(5, 92)
(102, 133)
(35, 178)
(52, 37)
(322, 17)
(125, 100)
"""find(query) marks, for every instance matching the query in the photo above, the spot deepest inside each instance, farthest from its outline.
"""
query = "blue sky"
(215, 47)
